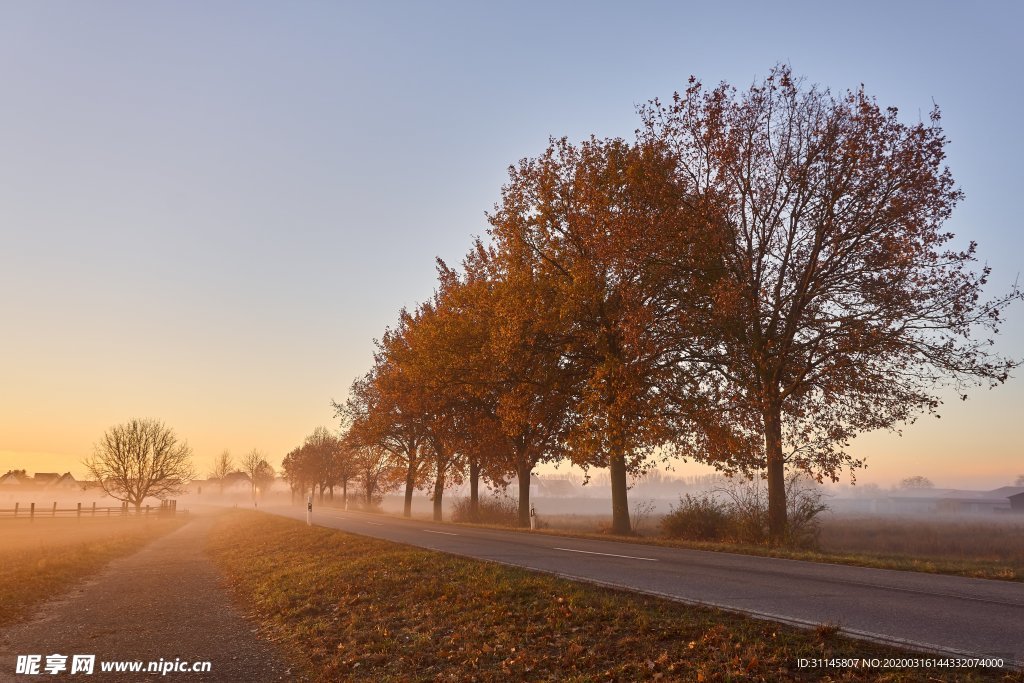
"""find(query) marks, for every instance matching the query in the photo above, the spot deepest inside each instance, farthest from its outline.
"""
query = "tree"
(383, 410)
(139, 459)
(297, 469)
(1019, 482)
(260, 473)
(840, 305)
(377, 473)
(223, 465)
(517, 392)
(917, 482)
(604, 223)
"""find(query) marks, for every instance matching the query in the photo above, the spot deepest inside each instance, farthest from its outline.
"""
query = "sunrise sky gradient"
(209, 210)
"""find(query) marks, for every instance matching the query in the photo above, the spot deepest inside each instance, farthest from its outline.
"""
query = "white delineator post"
(309, 510)
(533, 518)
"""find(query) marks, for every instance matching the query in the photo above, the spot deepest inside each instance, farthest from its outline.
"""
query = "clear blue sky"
(209, 210)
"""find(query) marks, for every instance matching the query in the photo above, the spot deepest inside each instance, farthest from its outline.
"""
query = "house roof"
(12, 478)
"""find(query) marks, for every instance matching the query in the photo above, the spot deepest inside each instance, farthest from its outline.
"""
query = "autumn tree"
(330, 462)
(418, 350)
(298, 470)
(139, 459)
(842, 305)
(517, 392)
(605, 224)
(377, 473)
(383, 409)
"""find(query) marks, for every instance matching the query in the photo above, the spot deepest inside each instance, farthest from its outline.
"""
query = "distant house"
(66, 481)
(237, 482)
(1017, 502)
(14, 478)
(45, 478)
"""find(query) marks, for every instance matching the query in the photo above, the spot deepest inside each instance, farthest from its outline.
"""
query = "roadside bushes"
(739, 513)
(491, 510)
(698, 518)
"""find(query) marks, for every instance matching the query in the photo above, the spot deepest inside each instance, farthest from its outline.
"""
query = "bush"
(492, 510)
(739, 513)
(698, 518)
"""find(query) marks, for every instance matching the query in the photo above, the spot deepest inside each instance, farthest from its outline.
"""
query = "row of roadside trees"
(326, 461)
(755, 279)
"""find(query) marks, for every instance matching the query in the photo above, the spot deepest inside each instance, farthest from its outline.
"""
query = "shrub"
(739, 512)
(698, 518)
(492, 510)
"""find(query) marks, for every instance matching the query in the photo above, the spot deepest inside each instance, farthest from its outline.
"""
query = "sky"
(208, 211)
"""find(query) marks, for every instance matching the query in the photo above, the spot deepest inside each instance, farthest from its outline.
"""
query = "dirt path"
(164, 602)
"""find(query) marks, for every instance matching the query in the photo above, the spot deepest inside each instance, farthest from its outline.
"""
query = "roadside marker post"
(309, 510)
(533, 518)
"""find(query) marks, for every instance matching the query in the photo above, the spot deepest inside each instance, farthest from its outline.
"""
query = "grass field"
(41, 558)
(355, 608)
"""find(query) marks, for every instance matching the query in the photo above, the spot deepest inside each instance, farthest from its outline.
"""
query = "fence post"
(54, 513)
(79, 510)
(94, 508)
(16, 509)
(32, 511)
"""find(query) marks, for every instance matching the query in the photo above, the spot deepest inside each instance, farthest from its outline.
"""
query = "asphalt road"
(945, 614)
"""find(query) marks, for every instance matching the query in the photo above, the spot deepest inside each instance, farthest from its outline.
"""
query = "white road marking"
(375, 523)
(588, 552)
(446, 533)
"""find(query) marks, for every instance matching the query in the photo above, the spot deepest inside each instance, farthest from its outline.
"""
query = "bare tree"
(223, 465)
(255, 465)
(917, 482)
(139, 459)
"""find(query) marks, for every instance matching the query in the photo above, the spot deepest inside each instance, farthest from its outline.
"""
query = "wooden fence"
(32, 511)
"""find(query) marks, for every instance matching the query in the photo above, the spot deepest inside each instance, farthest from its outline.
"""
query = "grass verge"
(42, 558)
(355, 608)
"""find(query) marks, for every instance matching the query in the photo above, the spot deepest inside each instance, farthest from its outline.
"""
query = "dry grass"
(355, 608)
(42, 558)
(991, 539)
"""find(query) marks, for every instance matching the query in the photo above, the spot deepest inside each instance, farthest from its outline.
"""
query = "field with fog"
(41, 558)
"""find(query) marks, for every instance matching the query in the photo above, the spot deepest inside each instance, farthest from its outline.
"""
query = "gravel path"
(164, 602)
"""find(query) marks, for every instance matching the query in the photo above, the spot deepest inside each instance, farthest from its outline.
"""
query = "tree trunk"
(524, 472)
(620, 500)
(344, 491)
(410, 484)
(776, 474)
(474, 490)
(438, 494)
